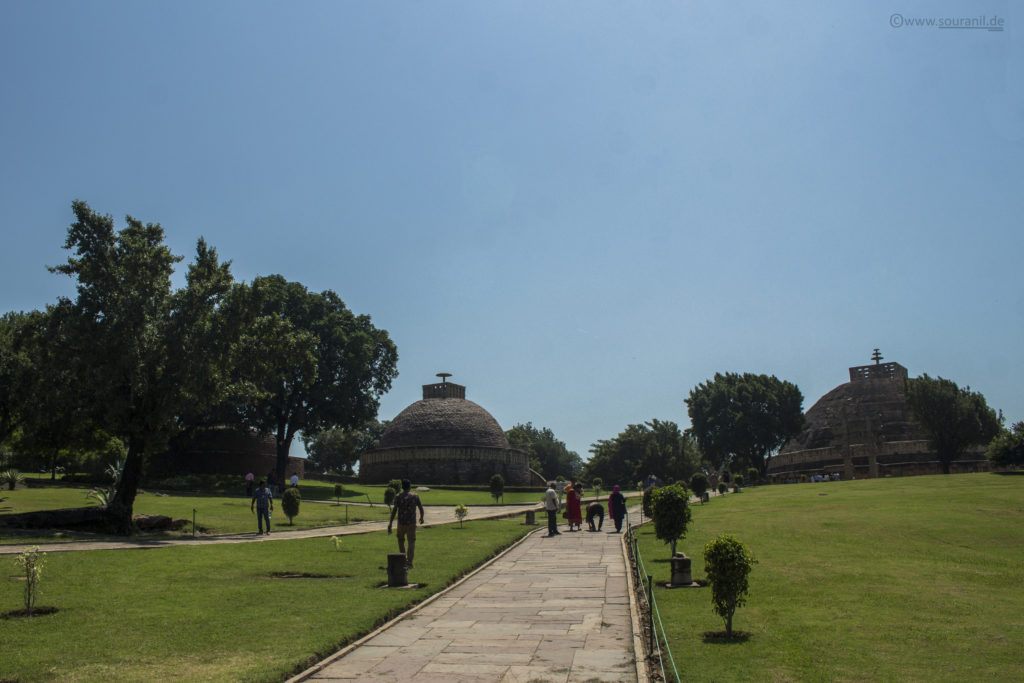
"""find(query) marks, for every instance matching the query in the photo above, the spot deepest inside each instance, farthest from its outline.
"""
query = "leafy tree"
(548, 455)
(728, 564)
(1007, 449)
(953, 418)
(497, 485)
(15, 372)
(647, 502)
(460, 512)
(338, 450)
(290, 500)
(699, 483)
(744, 419)
(670, 507)
(391, 491)
(309, 363)
(140, 353)
(656, 447)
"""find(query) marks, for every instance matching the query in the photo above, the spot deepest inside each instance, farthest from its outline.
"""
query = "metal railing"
(657, 628)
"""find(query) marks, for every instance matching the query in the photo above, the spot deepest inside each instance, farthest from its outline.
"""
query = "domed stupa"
(863, 428)
(445, 439)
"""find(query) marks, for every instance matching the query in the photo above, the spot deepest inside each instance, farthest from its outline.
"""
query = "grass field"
(916, 578)
(221, 514)
(232, 612)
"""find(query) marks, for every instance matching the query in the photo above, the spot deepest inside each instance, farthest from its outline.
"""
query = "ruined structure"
(864, 429)
(445, 439)
(221, 450)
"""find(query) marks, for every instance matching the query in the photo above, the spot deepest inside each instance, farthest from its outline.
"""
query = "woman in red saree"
(573, 508)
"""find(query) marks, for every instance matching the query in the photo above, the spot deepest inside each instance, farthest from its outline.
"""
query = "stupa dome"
(445, 439)
(444, 422)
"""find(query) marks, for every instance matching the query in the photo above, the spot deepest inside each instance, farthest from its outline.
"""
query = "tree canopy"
(1007, 449)
(548, 455)
(954, 418)
(744, 419)
(306, 362)
(138, 352)
(656, 447)
(338, 450)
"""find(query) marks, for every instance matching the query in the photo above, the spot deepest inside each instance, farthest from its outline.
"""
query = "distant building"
(222, 450)
(863, 429)
(445, 439)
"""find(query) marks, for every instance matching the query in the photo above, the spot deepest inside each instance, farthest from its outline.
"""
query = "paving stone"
(549, 610)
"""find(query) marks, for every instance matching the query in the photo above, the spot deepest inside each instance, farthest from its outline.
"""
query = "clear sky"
(580, 208)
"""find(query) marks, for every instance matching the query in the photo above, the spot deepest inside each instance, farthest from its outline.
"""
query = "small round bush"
(290, 503)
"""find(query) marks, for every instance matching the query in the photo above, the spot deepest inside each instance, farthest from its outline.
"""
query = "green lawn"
(916, 578)
(214, 514)
(219, 514)
(233, 612)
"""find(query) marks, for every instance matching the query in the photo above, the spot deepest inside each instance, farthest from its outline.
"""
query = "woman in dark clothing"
(617, 507)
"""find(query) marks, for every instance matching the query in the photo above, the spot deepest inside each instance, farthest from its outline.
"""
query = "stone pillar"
(530, 518)
(397, 571)
(681, 574)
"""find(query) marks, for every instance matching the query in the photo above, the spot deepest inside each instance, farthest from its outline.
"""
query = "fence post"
(650, 606)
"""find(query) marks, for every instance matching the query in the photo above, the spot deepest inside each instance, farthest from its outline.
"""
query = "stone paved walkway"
(549, 609)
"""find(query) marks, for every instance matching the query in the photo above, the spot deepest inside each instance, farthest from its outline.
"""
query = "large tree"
(548, 455)
(306, 362)
(744, 419)
(1007, 449)
(338, 450)
(954, 418)
(140, 352)
(655, 447)
(16, 371)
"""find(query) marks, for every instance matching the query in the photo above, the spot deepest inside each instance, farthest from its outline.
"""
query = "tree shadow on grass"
(720, 638)
(36, 612)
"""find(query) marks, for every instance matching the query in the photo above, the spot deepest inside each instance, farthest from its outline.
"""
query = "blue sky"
(581, 209)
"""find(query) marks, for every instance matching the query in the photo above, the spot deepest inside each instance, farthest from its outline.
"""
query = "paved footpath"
(549, 609)
(435, 514)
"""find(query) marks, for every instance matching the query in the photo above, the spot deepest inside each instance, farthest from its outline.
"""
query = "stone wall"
(445, 465)
(223, 451)
(859, 461)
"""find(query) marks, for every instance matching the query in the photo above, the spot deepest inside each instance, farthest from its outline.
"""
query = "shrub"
(389, 496)
(646, 502)
(32, 562)
(597, 483)
(497, 484)
(753, 475)
(671, 508)
(727, 563)
(722, 487)
(290, 500)
(395, 484)
(737, 482)
(13, 479)
(699, 484)
(461, 511)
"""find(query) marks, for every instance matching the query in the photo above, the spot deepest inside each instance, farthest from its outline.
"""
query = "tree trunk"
(728, 626)
(284, 445)
(119, 511)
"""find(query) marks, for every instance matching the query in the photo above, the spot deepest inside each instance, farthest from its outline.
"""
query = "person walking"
(617, 507)
(262, 504)
(250, 479)
(551, 507)
(405, 506)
